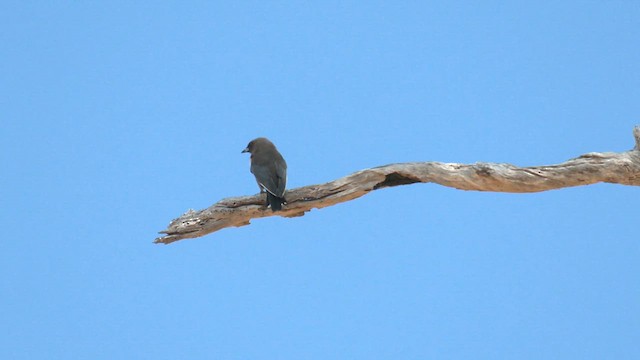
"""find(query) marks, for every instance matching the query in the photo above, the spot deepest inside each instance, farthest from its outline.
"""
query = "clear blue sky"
(119, 116)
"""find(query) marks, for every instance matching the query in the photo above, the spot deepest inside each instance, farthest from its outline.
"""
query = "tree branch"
(616, 168)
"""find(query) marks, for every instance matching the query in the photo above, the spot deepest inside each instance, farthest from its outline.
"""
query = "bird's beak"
(245, 150)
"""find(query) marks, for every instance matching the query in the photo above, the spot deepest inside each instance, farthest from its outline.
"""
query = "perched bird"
(270, 170)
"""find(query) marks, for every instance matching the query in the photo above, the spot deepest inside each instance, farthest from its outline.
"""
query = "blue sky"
(119, 116)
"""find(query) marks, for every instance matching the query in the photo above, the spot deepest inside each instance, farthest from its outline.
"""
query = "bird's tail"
(275, 202)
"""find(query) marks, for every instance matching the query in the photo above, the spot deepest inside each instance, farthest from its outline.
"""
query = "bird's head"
(257, 143)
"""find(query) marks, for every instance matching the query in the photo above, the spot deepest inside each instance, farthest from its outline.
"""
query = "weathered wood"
(616, 168)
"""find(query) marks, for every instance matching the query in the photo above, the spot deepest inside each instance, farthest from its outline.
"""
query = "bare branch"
(616, 168)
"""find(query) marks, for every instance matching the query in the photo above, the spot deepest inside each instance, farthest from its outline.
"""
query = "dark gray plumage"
(270, 170)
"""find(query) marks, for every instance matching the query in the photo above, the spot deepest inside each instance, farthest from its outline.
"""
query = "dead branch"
(616, 168)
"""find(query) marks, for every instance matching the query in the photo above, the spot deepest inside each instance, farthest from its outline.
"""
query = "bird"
(270, 170)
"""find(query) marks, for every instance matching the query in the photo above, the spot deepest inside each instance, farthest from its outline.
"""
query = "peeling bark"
(616, 168)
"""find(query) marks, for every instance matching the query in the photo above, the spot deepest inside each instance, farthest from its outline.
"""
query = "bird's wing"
(281, 172)
(265, 176)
